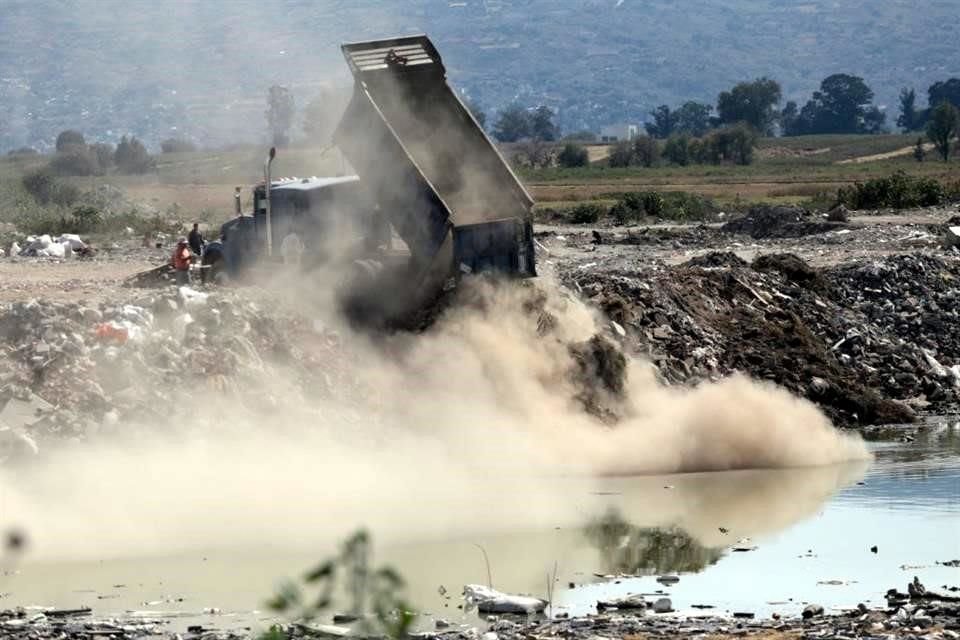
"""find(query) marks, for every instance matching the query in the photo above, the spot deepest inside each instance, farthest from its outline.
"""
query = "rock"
(668, 580)
(951, 238)
(628, 602)
(838, 214)
(663, 605)
(812, 611)
(923, 621)
(91, 315)
(916, 589)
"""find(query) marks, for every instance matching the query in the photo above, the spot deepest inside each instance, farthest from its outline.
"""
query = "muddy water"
(757, 541)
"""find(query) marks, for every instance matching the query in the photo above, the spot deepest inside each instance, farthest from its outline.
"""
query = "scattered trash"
(487, 600)
(812, 611)
(628, 602)
(663, 605)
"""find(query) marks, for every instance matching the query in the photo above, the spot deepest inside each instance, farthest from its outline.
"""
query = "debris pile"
(781, 222)
(46, 246)
(928, 616)
(871, 343)
(73, 370)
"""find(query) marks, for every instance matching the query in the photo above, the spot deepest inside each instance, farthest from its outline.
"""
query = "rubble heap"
(780, 222)
(72, 370)
(871, 343)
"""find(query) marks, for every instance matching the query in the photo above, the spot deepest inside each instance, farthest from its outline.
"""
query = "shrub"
(76, 161)
(621, 155)
(573, 155)
(586, 213)
(85, 219)
(645, 151)
(104, 154)
(677, 149)
(22, 151)
(897, 191)
(732, 144)
(40, 183)
(672, 205)
(69, 139)
(132, 157)
(177, 145)
(65, 194)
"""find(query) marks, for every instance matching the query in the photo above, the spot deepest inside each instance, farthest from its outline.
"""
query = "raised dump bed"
(426, 161)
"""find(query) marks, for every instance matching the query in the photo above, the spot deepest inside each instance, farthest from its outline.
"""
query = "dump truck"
(432, 200)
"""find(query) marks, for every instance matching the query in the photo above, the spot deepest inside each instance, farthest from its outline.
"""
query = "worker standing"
(181, 262)
(196, 240)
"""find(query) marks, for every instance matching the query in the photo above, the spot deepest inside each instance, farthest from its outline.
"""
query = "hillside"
(201, 69)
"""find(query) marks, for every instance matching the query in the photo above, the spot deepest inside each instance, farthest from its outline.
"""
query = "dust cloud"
(472, 426)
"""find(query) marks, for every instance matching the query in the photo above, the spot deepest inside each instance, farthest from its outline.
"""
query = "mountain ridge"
(201, 69)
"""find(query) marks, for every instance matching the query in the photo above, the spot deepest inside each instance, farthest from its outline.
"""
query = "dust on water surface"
(755, 541)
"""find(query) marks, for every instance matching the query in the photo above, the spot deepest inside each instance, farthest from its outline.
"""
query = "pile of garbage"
(782, 222)
(46, 246)
(872, 343)
(74, 370)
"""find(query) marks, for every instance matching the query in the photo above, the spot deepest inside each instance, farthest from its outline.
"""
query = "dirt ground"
(84, 281)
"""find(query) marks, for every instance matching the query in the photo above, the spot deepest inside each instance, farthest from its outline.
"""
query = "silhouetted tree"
(573, 155)
(751, 102)
(842, 105)
(789, 116)
(132, 157)
(693, 118)
(945, 91)
(70, 138)
(280, 111)
(103, 151)
(677, 149)
(621, 155)
(542, 126)
(76, 161)
(942, 127)
(645, 151)
(513, 123)
(873, 120)
(663, 123)
(908, 119)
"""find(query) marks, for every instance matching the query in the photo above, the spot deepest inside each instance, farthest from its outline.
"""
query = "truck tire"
(213, 267)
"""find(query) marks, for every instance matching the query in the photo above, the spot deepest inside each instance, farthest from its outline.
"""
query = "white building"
(618, 132)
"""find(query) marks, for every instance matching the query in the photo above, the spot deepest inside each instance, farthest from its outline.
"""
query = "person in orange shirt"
(181, 262)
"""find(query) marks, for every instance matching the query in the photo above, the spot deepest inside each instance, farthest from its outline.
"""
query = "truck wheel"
(213, 270)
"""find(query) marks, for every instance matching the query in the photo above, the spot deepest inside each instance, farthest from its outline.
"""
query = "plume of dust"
(468, 427)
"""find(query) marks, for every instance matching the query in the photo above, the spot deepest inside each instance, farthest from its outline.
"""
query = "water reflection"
(626, 549)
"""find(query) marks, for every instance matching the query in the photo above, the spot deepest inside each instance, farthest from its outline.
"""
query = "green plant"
(379, 590)
(40, 183)
(132, 157)
(897, 191)
(76, 161)
(621, 155)
(586, 213)
(942, 127)
(573, 155)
